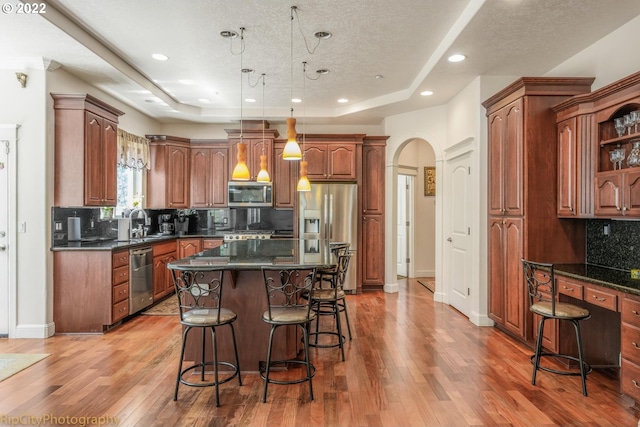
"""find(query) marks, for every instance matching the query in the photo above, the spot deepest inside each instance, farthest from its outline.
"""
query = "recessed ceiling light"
(343, 100)
(456, 57)
(250, 100)
(296, 100)
(426, 93)
(323, 35)
(159, 57)
(322, 71)
(379, 76)
(204, 100)
(185, 82)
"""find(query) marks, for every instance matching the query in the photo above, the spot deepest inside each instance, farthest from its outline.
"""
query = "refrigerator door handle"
(330, 216)
(325, 217)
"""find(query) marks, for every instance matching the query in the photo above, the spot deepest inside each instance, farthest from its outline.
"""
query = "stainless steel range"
(247, 235)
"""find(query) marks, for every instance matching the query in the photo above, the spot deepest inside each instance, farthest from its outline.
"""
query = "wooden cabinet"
(372, 225)
(90, 290)
(330, 162)
(86, 131)
(615, 188)
(163, 254)
(211, 243)
(209, 176)
(630, 347)
(285, 179)
(508, 305)
(168, 183)
(522, 202)
(576, 167)
(188, 247)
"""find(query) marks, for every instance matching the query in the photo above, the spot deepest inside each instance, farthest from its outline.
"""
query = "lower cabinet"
(163, 254)
(188, 247)
(630, 348)
(372, 250)
(120, 291)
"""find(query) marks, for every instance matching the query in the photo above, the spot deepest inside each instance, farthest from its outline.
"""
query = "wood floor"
(412, 362)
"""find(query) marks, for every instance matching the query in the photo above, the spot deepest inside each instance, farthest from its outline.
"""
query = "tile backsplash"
(619, 249)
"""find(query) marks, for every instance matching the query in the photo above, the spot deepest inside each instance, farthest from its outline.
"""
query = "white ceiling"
(109, 43)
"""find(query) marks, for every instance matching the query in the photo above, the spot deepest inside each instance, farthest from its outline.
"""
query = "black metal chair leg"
(184, 341)
(536, 360)
(267, 367)
(307, 360)
(336, 309)
(346, 316)
(583, 373)
(235, 350)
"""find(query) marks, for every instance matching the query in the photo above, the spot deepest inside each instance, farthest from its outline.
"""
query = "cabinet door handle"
(635, 383)
(599, 299)
(635, 313)
(635, 345)
(624, 209)
(567, 288)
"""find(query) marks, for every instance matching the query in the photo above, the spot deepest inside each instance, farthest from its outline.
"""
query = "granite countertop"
(619, 280)
(253, 254)
(105, 244)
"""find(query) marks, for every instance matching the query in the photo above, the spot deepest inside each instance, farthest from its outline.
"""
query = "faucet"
(139, 231)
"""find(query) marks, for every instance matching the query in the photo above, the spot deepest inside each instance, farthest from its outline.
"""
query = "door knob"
(449, 239)
(2, 234)
(3, 248)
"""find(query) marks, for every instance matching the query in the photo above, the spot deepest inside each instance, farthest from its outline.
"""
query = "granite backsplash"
(613, 243)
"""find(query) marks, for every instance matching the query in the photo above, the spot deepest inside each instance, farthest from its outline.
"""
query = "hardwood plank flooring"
(412, 362)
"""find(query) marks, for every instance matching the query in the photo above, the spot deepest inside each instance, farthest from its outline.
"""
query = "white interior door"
(459, 233)
(402, 267)
(7, 213)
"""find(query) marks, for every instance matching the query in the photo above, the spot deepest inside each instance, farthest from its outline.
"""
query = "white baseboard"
(480, 320)
(391, 288)
(425, 273)
(35, 331)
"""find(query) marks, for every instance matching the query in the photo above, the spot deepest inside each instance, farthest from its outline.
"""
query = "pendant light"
(303, 182)
(291, 149)
(241, 171)
(263, 175)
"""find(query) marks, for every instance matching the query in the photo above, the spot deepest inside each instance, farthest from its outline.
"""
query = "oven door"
(250, 194)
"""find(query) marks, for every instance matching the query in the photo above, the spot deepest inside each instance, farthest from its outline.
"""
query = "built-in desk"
(244, 293)
(611, 338)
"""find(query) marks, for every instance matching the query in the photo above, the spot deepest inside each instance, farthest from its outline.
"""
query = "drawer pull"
(635, 345)
(635, 313)
(635, 384)
(567, 288)
(599, 299)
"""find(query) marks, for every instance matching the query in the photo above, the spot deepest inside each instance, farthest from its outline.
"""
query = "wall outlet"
(57, 226)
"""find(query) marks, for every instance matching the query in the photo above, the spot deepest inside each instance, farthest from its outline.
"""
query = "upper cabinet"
(606, 184)
(86, 131)
(285, 179)
(373, 170)
(331, 157)
(209, 175)
(168, 184)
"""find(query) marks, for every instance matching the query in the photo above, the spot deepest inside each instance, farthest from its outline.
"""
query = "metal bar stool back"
(543, 301)
(286, 288)
(199, 296)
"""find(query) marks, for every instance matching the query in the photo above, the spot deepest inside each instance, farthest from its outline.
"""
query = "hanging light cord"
(291, 99)
(306, 44)
(263, 84)
(304, 106)
(241, 68)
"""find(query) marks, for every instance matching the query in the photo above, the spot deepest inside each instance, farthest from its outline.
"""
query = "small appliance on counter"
(123, 229)
(185, 223)
(165, 225)
(73, 228)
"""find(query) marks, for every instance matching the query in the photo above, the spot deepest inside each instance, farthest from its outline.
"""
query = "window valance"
(133, 151)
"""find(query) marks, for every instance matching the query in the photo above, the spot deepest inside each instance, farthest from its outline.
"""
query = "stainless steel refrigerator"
(328, 211)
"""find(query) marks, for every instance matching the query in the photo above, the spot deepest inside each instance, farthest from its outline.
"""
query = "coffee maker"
(165, 224)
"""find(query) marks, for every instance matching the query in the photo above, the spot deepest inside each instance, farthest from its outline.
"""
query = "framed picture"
(429, 181)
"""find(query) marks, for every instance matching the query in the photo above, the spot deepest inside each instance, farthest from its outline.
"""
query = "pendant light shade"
(241, 171)
(263, 175)
(291, 149)
(303, 182)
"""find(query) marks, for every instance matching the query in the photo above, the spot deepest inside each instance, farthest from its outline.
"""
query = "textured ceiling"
(109, 43)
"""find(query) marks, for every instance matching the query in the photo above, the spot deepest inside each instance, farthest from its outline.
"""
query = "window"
(131, 189)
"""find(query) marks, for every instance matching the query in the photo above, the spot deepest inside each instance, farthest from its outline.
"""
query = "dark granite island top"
(253, 254)
(245, 294)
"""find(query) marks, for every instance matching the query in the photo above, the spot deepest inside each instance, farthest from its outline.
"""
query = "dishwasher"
(140, 279)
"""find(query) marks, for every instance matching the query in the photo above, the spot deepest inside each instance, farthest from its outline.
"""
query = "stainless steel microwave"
(250, 194)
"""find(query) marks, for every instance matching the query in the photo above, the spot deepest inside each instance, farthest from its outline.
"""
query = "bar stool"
(285, 289)
(328, 299)
(199, 301)
(543, 300)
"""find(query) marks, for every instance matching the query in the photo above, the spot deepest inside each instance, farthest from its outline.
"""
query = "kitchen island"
(244, 293)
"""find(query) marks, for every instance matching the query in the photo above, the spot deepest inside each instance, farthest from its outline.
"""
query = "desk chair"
(543, 301)
(199, 299)
(285, 290)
